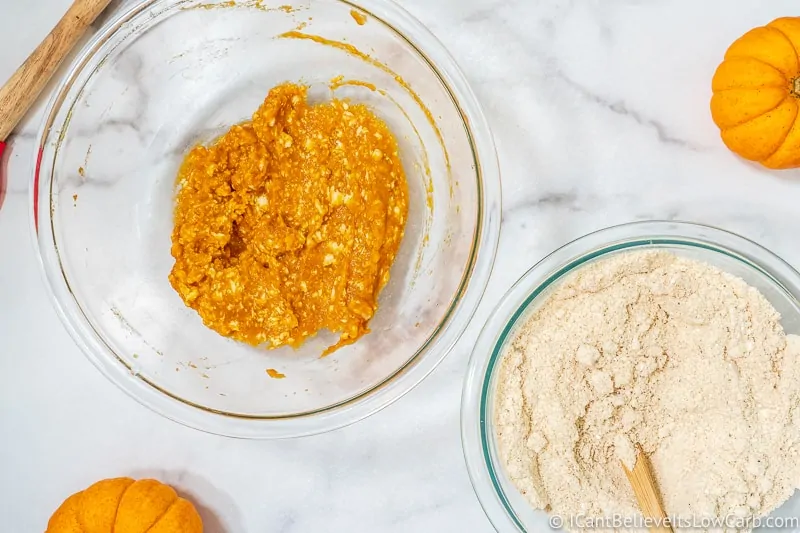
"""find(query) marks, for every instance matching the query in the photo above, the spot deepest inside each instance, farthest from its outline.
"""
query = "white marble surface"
(600, 113)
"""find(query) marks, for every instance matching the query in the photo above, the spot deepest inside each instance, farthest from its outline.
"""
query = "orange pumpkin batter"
(289, 224)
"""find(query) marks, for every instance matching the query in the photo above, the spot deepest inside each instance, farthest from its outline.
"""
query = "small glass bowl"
(166, 75)
(506, 508)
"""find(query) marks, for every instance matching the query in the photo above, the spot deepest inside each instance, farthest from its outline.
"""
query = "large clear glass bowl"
(507, 509)
(168, 74)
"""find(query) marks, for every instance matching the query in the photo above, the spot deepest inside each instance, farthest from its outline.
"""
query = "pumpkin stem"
(796, 87)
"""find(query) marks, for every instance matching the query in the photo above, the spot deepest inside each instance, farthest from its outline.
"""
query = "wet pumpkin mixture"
(289, 224)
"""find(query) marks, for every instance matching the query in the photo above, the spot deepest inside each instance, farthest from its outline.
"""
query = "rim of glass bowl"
(475, 408)
(428, 356)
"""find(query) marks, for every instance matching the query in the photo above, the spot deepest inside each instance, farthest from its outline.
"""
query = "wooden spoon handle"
(646, 491)
(19, 93)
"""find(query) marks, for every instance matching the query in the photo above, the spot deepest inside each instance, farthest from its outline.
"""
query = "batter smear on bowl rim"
(289, 224)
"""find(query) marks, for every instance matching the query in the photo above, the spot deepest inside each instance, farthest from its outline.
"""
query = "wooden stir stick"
(646, 492)
(25, 85)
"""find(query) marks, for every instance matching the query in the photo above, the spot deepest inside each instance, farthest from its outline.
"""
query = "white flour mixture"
(673, 355)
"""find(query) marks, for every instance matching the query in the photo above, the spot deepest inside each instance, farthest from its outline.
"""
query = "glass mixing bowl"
(168, 74)
(507, 509)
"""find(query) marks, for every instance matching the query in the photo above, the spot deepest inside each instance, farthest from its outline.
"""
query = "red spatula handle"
(2, 175)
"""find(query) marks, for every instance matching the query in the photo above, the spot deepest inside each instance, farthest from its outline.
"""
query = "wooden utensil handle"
(25, 85)
(645, 489)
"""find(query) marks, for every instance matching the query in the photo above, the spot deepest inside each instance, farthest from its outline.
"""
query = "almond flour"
(670, 354)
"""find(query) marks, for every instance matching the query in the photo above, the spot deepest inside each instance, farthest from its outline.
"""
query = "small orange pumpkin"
(757, 95)
(122, 505)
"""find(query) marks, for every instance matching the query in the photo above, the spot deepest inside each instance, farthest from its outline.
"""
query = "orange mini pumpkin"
(122, 505)
(757, 95)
